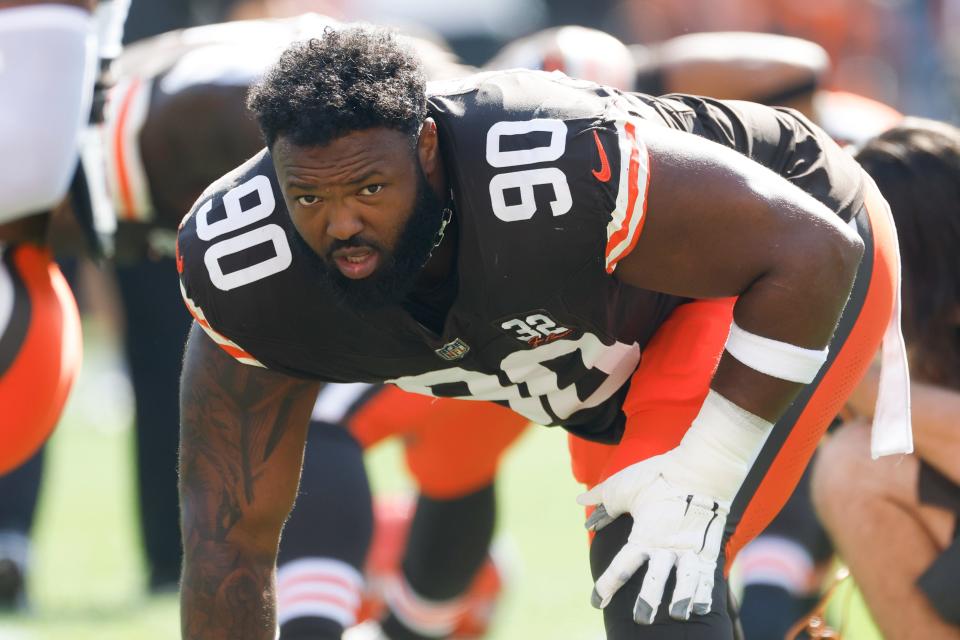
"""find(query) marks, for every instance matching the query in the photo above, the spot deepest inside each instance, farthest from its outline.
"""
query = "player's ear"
(428, 147)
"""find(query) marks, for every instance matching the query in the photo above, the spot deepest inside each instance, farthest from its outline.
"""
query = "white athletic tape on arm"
(774, 358)
(720, 447)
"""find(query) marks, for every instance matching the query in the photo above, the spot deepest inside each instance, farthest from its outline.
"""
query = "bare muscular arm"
(720, 225)
(241, 447)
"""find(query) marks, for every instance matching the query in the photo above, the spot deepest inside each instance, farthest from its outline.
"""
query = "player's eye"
(371, 189)
(307, 201)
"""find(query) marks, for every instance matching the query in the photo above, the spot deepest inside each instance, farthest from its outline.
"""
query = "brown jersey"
(549, 177)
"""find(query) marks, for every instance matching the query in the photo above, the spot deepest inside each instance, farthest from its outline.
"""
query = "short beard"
(393, 281)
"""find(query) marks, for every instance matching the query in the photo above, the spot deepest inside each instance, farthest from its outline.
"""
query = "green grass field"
(88, 579)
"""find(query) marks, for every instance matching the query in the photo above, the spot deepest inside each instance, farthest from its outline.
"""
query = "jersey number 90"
(525, 180)
(236, 218)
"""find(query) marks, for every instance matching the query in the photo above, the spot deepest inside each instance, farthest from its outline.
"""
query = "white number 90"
(527, 179)
(236, 218)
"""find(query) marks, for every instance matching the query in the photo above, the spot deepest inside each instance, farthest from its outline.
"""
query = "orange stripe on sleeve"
(224, 343)
(119, 150)
(631, 226)
(236, 352)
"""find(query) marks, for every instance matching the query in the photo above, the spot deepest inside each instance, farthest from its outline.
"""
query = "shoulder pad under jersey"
(234, 239)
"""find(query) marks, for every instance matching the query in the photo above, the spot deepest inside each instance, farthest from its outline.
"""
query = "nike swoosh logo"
(604, 174)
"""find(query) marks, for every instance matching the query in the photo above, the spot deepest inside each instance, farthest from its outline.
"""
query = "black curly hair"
(349, 79)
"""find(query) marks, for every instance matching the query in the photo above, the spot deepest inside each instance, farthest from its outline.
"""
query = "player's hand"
(672, 527)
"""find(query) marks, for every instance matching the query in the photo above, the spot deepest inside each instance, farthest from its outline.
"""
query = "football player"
(48, 62)
(176, 121)
(40, 134)
(520, 237)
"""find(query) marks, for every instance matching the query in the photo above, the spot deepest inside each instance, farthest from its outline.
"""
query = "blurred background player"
(760, 67)
(896, 53)
(768, 68)
(895, 522)
(88, 204)
(577, 51)
(41, 129)
(37, 315)
(429, 573)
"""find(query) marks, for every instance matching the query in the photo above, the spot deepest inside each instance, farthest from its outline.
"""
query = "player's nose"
(343, 223)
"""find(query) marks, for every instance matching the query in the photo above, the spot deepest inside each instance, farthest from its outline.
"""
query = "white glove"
(679, 502)
(672, 527)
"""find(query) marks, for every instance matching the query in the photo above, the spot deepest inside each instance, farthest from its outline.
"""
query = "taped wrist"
(718, 449)
(774, 358)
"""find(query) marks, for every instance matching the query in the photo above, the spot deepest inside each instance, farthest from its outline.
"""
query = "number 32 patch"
(534, 328)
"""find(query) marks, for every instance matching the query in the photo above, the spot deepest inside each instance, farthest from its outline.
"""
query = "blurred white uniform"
(48, 58)
(47, 64)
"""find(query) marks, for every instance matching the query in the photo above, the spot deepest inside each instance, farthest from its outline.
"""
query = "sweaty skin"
(745, 231)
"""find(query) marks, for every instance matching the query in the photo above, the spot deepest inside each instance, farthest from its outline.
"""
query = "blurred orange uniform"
(40, 350)
(452, 447)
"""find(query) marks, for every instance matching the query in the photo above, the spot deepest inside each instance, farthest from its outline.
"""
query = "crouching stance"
(521, 238)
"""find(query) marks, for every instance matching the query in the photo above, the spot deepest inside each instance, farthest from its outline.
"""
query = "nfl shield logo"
(453, 350)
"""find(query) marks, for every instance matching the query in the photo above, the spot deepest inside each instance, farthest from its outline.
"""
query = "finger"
(591, 497)
(651, 590)
(685, 589)
(703, 600)
(621, 569)
(598, 519)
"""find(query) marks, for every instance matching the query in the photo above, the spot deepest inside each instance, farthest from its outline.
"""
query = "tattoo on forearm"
(233, 421)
